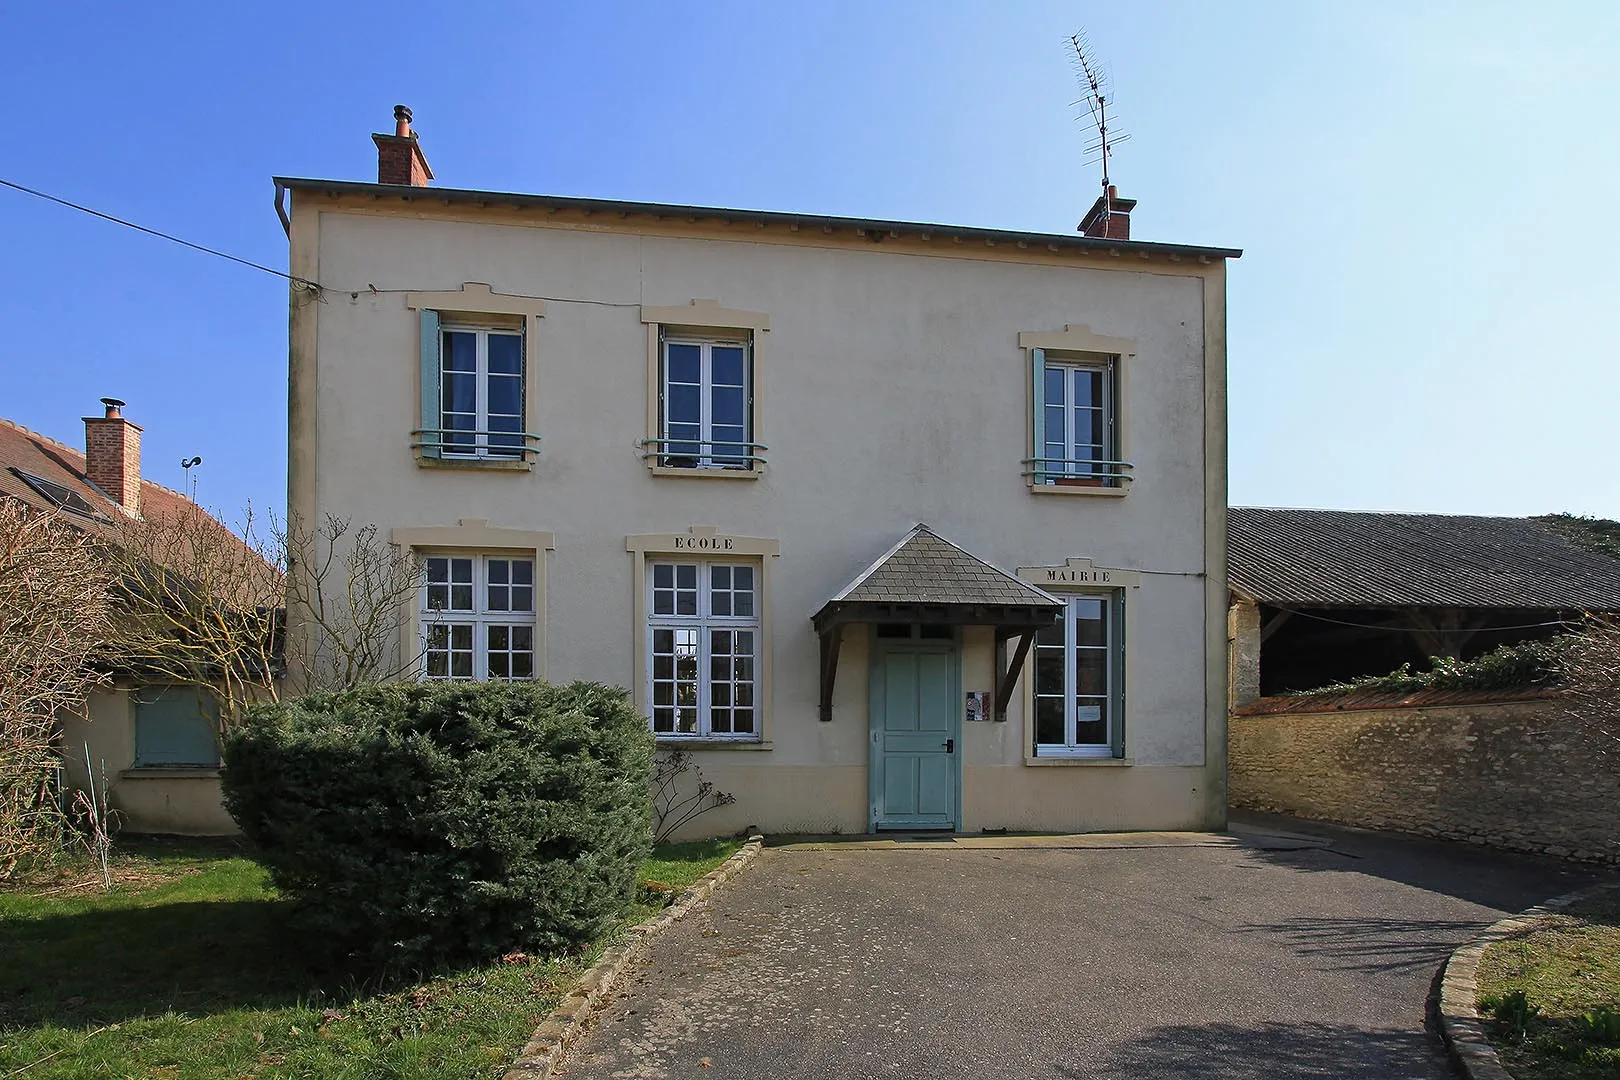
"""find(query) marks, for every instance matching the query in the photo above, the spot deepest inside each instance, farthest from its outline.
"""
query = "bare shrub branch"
(1589, 684)
(55, 586)
(347, 591)
(199, 606)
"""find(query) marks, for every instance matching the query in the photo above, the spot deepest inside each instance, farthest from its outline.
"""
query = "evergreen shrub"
(419, 825)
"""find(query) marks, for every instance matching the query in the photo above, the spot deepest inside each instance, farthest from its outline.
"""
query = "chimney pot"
(113, 405)
(399, 156)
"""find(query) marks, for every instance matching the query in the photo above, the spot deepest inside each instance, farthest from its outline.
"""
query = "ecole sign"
(705, 543)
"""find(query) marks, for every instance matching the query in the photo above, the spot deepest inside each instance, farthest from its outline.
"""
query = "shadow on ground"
(1370, 943)
(101, 967)
(1269, 1050)
(1479, 875)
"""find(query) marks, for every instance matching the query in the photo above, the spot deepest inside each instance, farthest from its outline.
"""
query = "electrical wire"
(314, 286)
(1394, 626)
(160, 234)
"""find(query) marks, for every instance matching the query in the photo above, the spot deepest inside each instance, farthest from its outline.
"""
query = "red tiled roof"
(35, 454)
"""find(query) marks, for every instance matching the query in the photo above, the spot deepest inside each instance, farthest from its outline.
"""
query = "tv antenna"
(1097, 85)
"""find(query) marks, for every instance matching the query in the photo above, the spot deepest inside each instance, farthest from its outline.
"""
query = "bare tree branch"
(55, 616)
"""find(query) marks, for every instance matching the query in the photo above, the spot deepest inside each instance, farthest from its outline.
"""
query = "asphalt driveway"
(1287, 950)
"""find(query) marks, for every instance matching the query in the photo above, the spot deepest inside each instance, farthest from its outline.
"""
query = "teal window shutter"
(1116, 661)
(175, 728)
(431, 438)
(1037, 422)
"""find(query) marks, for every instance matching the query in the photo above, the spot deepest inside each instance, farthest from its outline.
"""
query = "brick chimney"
(399, 157)
(1109, 217)
(112, 455)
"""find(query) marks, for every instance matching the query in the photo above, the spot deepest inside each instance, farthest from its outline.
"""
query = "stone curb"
(1460, 1025)
(557, 1032)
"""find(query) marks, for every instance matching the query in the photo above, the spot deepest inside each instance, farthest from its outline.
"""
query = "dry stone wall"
(1508, 775)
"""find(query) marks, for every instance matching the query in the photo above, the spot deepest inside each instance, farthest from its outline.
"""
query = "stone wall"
(1504, 774)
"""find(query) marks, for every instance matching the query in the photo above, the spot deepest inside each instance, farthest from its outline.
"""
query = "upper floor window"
(1079, 679)
(477, 617)
(705, 398)
(1076, 420)
(473, 392)
(481, 395)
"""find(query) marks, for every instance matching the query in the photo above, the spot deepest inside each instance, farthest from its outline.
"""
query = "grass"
(186, 972)
(1566, 1026)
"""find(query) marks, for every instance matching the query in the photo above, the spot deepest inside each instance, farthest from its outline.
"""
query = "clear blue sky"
(1428, 195)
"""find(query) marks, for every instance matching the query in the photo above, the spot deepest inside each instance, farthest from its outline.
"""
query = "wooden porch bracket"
(832, 639)
(1008, 678)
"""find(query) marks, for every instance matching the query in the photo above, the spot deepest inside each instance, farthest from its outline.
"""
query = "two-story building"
(894, 525)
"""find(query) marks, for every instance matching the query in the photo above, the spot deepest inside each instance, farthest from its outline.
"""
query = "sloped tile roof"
(35, 454)
(1327, 558)
(925, 568)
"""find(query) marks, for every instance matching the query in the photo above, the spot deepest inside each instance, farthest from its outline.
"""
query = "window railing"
(703, 453)
(1047, 470)
(459, 443)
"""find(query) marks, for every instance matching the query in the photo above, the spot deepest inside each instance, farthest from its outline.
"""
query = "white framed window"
(1076, 421)
(705, 403)
(1079, 679)
(480, 392)
(703, 645)
(477, 617)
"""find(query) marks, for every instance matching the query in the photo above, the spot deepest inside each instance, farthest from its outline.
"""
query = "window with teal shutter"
(1037, 382)
(430, 435)
(1074, 436)
(1078, 690)
(175, 727)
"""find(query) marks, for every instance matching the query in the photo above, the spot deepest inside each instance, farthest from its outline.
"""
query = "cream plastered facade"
(181, 801)
(892, 386)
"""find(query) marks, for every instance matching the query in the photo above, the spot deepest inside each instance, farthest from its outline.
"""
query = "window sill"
(713, 744)
(1080, 489)
(171, 772)
(1105, 762)
(706, 474)
(479, 464)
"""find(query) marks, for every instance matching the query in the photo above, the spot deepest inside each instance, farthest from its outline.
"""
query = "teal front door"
(915, 736)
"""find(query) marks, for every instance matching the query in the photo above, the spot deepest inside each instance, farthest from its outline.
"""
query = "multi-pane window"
(1078, 421)
(481, 392)
(703, 637)
(477, 617)
(705, 404)
(1078, 675)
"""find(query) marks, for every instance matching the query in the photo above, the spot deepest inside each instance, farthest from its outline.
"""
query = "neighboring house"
(894, 525)
(1320, 596)
(156, 741)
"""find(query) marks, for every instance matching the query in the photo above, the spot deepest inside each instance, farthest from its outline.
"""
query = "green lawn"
(187, 971)
(1568, 969)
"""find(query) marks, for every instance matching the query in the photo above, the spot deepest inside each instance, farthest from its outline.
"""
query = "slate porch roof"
(1344, 558)
(926, 568)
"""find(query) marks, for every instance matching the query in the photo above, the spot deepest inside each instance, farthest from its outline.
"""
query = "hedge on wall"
(419, 825)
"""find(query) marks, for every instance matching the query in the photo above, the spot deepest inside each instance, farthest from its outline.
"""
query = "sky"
(1427, 195)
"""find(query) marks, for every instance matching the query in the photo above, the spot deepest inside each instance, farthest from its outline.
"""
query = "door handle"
(950, 746)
